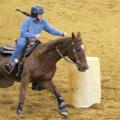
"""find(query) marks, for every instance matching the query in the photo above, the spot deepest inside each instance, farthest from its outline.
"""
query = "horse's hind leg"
(51, 87)
(23, 87)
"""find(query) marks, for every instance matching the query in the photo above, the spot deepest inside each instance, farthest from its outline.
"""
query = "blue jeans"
(21, 43)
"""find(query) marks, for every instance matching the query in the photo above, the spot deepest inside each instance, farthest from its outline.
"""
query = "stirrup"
(9, 68)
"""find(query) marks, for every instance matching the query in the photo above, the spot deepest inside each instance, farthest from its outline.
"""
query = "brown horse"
(40, 67)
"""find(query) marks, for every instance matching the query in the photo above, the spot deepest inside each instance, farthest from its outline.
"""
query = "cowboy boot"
(10, 66)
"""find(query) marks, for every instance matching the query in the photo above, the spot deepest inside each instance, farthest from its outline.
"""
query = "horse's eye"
(78, 49)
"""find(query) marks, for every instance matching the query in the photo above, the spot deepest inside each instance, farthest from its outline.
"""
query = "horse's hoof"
(20, 114)
(65, 113)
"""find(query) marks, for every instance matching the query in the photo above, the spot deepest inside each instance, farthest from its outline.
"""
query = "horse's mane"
(57, 41)
(51, 44)
(54, 42)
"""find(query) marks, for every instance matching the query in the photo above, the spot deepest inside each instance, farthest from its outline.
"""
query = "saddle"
(8, 51)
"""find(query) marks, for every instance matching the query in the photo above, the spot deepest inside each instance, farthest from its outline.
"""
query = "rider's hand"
(64, 34)
(37, 36)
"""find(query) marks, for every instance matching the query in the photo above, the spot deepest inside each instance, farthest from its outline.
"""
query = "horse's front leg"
(23, 87)
(51, 87)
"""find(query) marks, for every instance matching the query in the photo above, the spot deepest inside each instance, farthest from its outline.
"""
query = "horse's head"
(77, 52)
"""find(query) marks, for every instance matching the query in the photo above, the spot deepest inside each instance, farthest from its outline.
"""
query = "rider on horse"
(31, 28)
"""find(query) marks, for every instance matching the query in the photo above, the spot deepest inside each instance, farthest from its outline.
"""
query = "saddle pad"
(8, 50)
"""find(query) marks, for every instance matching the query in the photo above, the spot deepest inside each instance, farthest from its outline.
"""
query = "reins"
(68, 60)
(58, 51)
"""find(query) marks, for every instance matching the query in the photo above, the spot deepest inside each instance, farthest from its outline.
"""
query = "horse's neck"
(63, 48)
(51, 54)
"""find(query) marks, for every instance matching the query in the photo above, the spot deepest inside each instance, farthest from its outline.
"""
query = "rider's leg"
(21, 43)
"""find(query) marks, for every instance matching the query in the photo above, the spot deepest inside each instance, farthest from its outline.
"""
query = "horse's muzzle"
(82, 68)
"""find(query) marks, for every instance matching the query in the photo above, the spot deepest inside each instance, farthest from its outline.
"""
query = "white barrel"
(85, 87)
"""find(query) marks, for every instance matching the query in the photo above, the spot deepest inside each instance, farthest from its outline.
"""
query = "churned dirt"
(99, 24)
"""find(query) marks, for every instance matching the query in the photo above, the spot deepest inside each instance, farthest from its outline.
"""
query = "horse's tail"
(25, 13)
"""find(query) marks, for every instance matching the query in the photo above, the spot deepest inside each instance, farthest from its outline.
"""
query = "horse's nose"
(82, 68)
(86, 67)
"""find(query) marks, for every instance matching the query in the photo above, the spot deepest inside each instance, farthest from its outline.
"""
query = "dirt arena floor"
(99, 24)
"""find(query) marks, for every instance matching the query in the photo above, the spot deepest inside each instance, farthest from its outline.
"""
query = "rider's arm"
(48, 28)
(24, 30)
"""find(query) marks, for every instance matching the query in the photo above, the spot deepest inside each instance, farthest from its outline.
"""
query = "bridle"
(77, 63)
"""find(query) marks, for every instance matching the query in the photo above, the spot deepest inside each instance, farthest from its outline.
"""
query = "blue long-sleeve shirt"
(31, 27)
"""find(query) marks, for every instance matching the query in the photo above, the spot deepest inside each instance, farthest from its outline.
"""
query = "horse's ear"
(73, 35)
(78, 35)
